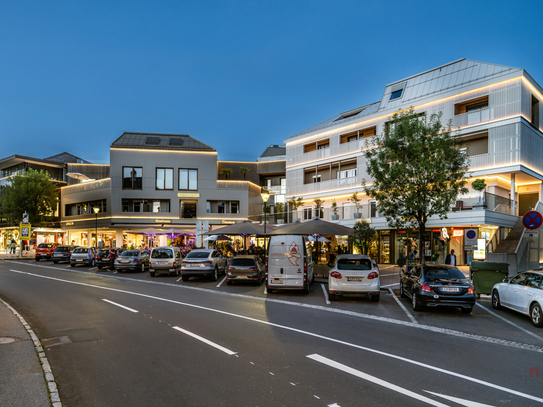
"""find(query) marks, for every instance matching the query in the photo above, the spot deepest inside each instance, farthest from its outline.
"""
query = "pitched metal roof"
(160, 142)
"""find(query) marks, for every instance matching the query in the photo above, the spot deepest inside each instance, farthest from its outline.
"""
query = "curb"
(47, 373)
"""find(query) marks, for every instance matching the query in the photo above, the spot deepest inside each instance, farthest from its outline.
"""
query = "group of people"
(449, 259)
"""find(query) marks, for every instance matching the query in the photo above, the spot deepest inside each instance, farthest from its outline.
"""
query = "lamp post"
(96, 210)
(265, 196)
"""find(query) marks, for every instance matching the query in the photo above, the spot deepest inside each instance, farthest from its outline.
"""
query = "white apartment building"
(496, 110)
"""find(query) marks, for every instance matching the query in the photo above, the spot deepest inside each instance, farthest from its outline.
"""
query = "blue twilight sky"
(237, 75)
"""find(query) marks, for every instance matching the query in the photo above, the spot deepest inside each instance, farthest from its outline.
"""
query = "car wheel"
(72, 264)
(215, 275)
(467, 310)
(184, 277)
(536, 315)
(37, 259)
(177, 272)
(332, 297)
(496, 300)
(414, 303)
(229, 282)
(376, 297)
(306, 288)
(269, 290)
(54, 261)
(402, 292)
(152, 273)
(93, 263)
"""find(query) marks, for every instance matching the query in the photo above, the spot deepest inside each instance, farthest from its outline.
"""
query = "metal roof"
(160, 142)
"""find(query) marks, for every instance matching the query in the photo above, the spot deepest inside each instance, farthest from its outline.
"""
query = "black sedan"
(437, 285)
(102, 258)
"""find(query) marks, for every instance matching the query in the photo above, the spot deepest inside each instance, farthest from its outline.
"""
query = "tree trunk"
(422, 230)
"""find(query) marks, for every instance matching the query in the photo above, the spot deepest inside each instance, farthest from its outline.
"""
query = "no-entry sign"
(532, 220)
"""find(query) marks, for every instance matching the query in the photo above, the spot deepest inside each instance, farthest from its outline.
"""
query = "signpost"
(531, 220)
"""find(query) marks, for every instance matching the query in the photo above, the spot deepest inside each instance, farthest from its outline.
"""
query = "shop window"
(188, 179)
(164, 179)
(471, 105)
(188, 209)
(535, 112)
(132, 178)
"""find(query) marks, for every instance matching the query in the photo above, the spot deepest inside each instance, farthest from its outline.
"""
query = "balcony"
(472, 117)
(323, 186)
(489, 202)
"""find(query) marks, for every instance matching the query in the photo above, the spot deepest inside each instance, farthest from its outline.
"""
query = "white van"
(290, 265)
(166, 260)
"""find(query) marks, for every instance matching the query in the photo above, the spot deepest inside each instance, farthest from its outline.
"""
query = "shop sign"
(70, 223)
(228, 222)
(188, 195)
(24, 231)
(163, 221)
(457, 233)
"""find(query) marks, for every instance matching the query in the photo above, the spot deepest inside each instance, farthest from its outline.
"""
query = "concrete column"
(541, 192)
(89, 238)
(118, 238)
(513, 195)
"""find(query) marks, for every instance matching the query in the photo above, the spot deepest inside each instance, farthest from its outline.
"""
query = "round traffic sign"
(532, 220)
(470, 234)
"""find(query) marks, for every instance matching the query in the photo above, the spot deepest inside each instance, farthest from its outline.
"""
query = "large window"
(85, 208)
(188, 209)
(188, 179)
(535, 112)
(132, 178)
(164, 178)
(222, 206)
(146, 205)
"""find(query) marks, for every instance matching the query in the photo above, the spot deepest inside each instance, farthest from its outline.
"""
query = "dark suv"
(437, 285)
(63, 253)
(45, 251)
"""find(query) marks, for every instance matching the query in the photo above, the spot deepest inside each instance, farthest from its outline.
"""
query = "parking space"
(484, 320)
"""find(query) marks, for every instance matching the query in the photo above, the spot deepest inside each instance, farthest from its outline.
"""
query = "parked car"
(437, 285)
(246, 268)
(166, 260)
(45, 250)
(290, 264)
(102, 257)
(83, 255)
(354, 274)
(63, 253)
(203, 262)
(524, 293)
(132, 260)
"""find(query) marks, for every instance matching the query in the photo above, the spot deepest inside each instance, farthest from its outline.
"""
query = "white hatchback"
(523, 293)
(354, 274)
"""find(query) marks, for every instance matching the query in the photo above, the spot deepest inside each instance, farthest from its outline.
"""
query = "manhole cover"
(55, 341)
(6, 339)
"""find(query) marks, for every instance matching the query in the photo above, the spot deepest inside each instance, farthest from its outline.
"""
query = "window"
(518, 279)
(308, 213)
(323, 144)
(346, 174)
(146, 205)
(535, 112)
(319, 145)
(396, 94)
(188, 179)
(132, 178)
(222, 207)
(316, 178)
(373, 209)
(533, 280)
(188, 209)
(164, 178)
(85, 208)
(234, 207)
(471, 105)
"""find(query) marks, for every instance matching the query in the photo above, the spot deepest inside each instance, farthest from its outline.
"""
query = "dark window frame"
(188, 179)
(156, 179)
(132, 180)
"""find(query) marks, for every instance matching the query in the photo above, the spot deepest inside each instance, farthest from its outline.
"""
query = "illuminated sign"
(70, 223)
(188, 195)
(24, 232)
(163, 221)
(458, 233)
(228, 222)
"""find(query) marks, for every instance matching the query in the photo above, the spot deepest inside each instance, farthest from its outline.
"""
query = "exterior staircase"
(510, 243)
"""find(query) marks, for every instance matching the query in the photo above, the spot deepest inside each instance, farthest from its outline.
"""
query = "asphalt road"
(141, 341)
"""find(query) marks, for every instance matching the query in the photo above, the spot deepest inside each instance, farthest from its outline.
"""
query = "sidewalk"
(6, 255)
(23, 377)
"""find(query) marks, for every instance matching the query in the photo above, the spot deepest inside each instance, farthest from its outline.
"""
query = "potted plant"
(479, 185)
(294, 204)
(335, 216)
(227, 172)
(356, 201)
(318, 208)
(280, 212)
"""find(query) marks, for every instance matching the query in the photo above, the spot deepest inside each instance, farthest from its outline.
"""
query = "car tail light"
(173, 264)
(425, 288)
(471, 290)
(372, 275)
(253, 268)
(335, 274)
(231, 268)
(135, 261)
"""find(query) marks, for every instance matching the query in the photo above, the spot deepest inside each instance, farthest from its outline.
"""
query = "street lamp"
(265, 196)
(96, 210)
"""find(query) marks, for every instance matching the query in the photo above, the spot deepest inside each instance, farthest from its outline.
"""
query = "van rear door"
(286, 262)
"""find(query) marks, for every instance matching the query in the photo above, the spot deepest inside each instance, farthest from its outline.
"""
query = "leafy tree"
(318, 206)
(295, 203)
(417, 170)
(362, 236)
(227, 172)
(244, 171)
(33, 193)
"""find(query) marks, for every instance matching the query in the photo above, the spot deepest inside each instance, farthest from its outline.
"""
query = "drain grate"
(61, 340)
(8, 339)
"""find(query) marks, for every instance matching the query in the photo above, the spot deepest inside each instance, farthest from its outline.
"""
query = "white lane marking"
(223, 280)
(509, 322)
(325, 294)
(390, 355)
(204, 340)
(271, 373)
(411, 317)
(334, 405)
(94, 268)
(293, 384)
(178, 279)
(265, 289)
(435, 329)
(119, 305)
(390, 285)
(317, 397)
(462, 402)
(373, 379)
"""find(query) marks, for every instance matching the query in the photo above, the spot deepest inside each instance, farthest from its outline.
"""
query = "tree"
(227, 172)
(479, 185)
(362, 236)
(417, 170)
(244, 171)
(33, 193)
(295, 203)
(318, 206)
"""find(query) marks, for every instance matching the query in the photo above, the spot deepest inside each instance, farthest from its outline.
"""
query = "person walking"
(451, 259)
(112, 256)
(13, 245)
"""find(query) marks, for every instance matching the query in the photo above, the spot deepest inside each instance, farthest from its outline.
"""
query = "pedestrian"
(401, 261)
(451, 259)
(112, 256)
(13, 245)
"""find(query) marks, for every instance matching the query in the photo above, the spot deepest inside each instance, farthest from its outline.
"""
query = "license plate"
(277, 281)
(355, 278)
(79, 260)
(450, 289)
(242, 277)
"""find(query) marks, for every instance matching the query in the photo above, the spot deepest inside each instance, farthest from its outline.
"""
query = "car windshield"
(161, 254)
(103, 252)
(80, 250)
(130, 253)
(62, 249)
(242, 262)
(45, 246)
(198, 255)
(354, 264)
(449, 274)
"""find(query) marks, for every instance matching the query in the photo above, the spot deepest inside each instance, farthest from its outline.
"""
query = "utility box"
(484, 274)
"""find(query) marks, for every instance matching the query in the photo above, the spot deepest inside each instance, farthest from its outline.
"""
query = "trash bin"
(484, 274)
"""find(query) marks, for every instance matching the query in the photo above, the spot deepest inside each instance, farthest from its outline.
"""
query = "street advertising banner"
(24, 231)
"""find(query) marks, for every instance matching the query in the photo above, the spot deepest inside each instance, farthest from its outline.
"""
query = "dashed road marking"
(223, 280)
(119, 305)
(325, 294)
(204, 340)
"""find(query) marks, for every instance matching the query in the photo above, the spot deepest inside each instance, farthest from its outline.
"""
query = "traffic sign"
(532, 220)
(471, 234)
